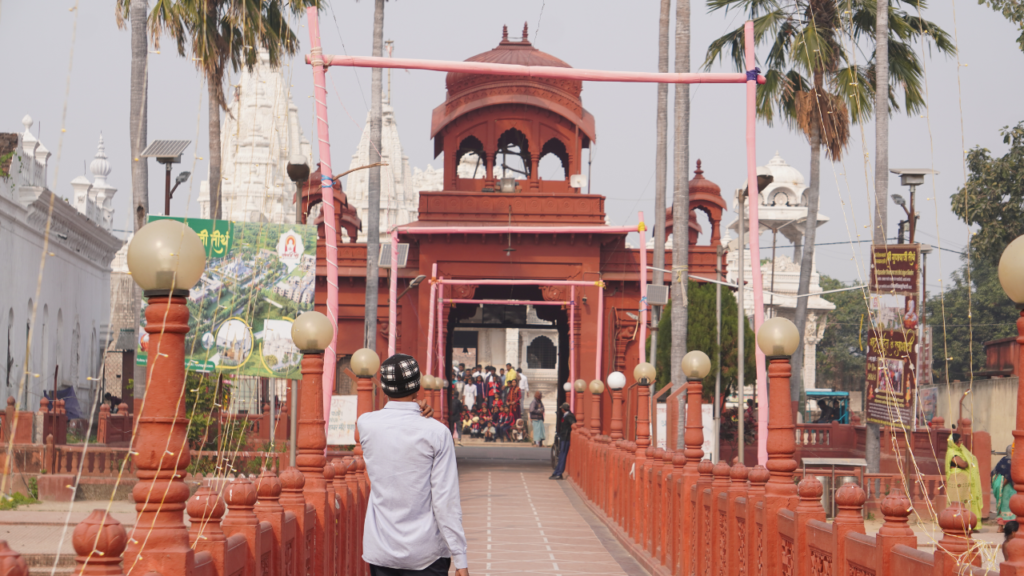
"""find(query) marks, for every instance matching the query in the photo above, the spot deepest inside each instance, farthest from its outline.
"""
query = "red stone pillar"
(643, 442)
(758, 477)
(780, 492)
(679, 508)
(596, 390)
(807, 509)
(11, 563)
(345, 508)
(736, 542)
(205, 510)
(702, 516)
(1015, 547)
(268, 509)
(693, 439)
(616, 426)
(849, 519)
(896, 509)
(356, 540)
(240, 497)
(159, 541)
(331, 544)
(956, 549)
(99, 541)
(719, 517)
(312, 442)
(292, 501)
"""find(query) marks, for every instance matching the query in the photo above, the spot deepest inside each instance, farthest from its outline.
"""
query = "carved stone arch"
(556, 147)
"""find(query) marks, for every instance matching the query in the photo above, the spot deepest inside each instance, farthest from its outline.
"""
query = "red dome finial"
(698, 170)
(526, 32)
(504, 33)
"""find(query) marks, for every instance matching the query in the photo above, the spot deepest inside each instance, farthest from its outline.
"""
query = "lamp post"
(1011, 276)
(364, 363)
(778, 338)
(616, 381)
(695, 365)
(312, 333)
(166, 259)
(596, 389)
(579, 386)
(911, 177)
(644, 374)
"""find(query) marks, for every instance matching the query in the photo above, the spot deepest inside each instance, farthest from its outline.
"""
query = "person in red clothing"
(493, 389)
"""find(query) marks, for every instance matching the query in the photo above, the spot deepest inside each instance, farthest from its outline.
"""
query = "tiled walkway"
(519, 522)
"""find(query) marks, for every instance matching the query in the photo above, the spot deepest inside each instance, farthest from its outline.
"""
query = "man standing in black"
(564, 433)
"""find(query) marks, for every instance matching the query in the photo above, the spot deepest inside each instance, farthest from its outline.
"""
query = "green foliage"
(700, 335)
(33, 487)
(840, 358)
(202, 404)
(14, 500)
(975, 312)
(993, 198)
(1012, 10)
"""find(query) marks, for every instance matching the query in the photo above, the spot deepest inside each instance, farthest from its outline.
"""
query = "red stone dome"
(520, 53)
(468, 91)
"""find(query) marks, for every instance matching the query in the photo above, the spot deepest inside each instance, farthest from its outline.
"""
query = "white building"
(399, 198)
(67, 312)
(782, 209)
(258, 139)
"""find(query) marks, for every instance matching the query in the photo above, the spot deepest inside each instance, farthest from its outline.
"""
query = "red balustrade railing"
(681, 517)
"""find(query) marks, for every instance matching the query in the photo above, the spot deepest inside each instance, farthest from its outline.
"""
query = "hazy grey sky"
(39, 38)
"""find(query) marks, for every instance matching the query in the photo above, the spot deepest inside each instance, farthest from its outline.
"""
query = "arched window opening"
(548, 168)
(541, 354)
(706, 228)
(470, 160)
(514, 158)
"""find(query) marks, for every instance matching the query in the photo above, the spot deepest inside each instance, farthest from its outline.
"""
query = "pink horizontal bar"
(519, 230)
(518, 282)
(505, 303)
(555, 72)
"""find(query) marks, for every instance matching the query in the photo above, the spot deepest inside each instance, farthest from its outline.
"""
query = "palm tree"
(222, 33)
(815, 84)
(373, 185)
(681, 202)
(661, 165)
(137, 110)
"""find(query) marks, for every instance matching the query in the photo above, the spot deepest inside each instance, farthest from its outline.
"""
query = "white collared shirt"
(414, 514)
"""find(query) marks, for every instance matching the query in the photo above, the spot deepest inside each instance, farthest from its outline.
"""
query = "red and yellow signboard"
(894, 269)
(891, 378)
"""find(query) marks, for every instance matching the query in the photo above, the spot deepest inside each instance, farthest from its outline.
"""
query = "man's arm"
(444, 491)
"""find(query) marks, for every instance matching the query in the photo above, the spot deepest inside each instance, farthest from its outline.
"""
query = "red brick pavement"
(519, 522)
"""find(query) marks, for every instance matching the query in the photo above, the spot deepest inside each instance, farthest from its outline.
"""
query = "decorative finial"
(698, 171)
(526, 32)
(504, 37)
(27, 121)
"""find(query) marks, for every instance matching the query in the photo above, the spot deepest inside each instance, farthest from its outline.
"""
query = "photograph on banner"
(259, 277)
(927, 404)
(894, 269)
(891, 362)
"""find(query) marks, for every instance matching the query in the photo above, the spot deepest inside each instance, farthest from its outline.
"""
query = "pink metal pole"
(642, 229)
(505, 302)
(518, 229)
(430, 321)
(327, 185)
(536, 71)
(572, 348)
(440, 349)
(393, 304)
(755, 233)
(524, 282)
(600, 332)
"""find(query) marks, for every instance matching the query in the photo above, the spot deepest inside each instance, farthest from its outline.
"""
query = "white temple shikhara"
(782, 209)
(258, 140)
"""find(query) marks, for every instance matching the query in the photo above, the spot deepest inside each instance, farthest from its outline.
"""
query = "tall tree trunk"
(681, 206)
(213, 90)
(373, 211)
(807, 259)
(661, 168)
(137, 123)
(138, 120)
(872, 448)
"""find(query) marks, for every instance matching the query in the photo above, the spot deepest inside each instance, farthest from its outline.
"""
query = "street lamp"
(644, 374)
(778, 338)
(596, 389)
(166, 259)
(168, 152)
(364, 363)
(616, 382)
(1011, 276)
(580, 386)
(412, 284)
(695, 365)
(427, 384)
(308, 332)
(911, 177)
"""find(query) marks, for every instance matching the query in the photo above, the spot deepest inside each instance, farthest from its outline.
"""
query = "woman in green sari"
(963, 480)
(1002, 487)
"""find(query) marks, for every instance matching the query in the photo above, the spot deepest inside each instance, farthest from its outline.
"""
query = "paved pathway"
(519, 522)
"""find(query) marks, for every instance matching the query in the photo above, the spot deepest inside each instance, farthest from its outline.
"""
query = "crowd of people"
(490, 403)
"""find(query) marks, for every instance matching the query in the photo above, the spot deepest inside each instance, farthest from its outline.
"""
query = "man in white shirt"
(524, 387)
(469, 396)
(414, 515)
